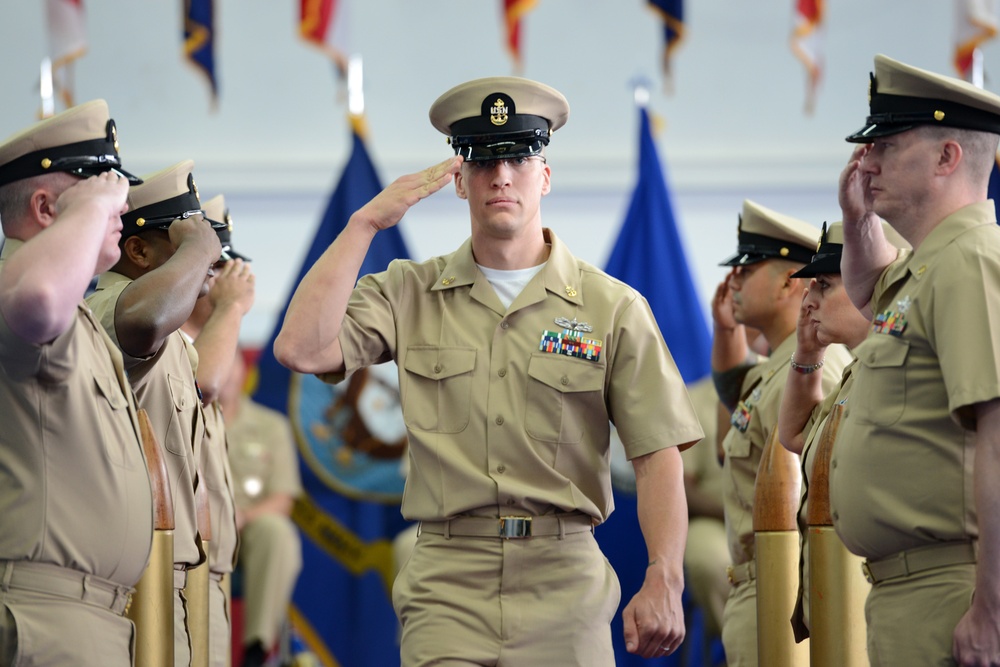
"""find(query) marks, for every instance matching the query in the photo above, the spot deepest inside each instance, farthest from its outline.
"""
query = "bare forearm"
(987, 471)
(663, 515)
(308, 340)
(802, 394)
(866, 255)
(216, 346)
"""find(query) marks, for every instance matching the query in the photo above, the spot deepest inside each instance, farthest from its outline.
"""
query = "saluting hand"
(389, 206)
(106, 192)
(198, 231)
(722, 304)
(808, 345)
(234, 286)
(854, 192)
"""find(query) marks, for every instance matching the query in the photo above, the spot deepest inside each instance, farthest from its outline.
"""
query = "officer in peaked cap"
(903, 491)
(218, 214)
(82, 141)
(75, 499)
(522, 297)
(760, 292)
(168, 251)
(766, 234)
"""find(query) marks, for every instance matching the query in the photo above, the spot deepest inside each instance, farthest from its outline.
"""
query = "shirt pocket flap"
(890, 352)
(111, 391)
(566, 375)
(439, 363)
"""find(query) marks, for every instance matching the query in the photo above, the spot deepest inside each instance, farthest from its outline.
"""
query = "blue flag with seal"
(199, 39)
(649, 256)
(351, 443)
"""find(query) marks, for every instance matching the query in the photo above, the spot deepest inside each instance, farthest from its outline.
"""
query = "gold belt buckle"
(515, 527)
(866, 568)
(730, 575)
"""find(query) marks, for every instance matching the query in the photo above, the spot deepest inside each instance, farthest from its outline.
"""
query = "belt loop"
(562, 528)
(85, 588)
(8, 572)
(420, 528)
(447, 529)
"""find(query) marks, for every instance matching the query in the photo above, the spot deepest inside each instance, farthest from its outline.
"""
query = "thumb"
(631, 632)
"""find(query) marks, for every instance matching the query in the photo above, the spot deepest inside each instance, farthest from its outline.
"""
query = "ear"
(460, 183)
(949, 157)
(42, 205)
(136, 251)
(547, 176)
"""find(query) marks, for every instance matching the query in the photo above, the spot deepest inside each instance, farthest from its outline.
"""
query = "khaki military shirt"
(506, 411)
(261, 454)
(164, 385)
(752, 421)
(905, 454)
(74, 490)
(219, 481)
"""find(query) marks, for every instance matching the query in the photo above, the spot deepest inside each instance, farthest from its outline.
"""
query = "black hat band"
(769, 247)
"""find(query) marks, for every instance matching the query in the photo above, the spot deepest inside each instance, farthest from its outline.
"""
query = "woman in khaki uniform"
(513, 356)
(913, 477)
(142, 303)
(772, 247)
(76, 516)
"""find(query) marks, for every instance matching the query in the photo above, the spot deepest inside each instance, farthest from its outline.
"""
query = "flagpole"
(45, 89)
(355, 86)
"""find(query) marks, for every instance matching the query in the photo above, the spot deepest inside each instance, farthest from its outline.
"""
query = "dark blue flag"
(993, 190)
(649, 256)
(671, 12)
(199, 38)
(351, 474)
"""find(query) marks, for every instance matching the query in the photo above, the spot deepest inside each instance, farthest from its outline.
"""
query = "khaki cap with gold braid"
(163, 197)
(499, 117)
(902, 97)
(831, 249)
(766, 234)
(82, 140)
(217, 213)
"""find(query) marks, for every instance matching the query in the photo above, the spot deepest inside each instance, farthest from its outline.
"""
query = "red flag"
(807, 44)
(323, 24)
(975, 23)
(513, 10)
(67, 42)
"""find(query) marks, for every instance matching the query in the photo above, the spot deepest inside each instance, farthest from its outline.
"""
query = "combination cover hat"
(82, 141)
(766, 234)
(499, 117)
(163, 197)
(902, 97)
(831, 249)
(217, 213)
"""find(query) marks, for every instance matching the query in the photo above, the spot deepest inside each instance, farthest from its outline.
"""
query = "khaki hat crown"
(217, 213)
(163, 197)
(902, 97)
(83, 140)
(766, 234)
(503, 116)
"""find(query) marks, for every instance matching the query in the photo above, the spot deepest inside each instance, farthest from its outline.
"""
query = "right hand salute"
(853, 193)
(196, 230)
(389, 206)
(108, 191)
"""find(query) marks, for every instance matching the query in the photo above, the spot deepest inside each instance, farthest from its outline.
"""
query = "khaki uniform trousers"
(705, 559)
(270, 560)
(219, 629)
(42, 626)
(510, 603)
(739, 625)
(911, 619)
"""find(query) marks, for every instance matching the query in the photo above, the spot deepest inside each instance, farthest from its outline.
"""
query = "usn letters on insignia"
(571, 344)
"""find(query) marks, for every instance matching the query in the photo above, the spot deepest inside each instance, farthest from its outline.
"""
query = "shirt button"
(499, 421)
(502, 372)
(564, 380)
(501, 468)
(437, 368)
(836, 515)
(505, 324)
(833, 464)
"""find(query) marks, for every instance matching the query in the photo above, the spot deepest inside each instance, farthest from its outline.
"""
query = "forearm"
(986, 472)
(308, 340)
(729, 347)
(803, 392)
(663, 515)
(866, 255)
(216, 346)
(276, 503)
(44, 281)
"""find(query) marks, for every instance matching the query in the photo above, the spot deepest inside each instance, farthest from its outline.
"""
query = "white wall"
(734, 129)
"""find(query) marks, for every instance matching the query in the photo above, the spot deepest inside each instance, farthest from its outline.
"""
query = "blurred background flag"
(993, 191)
(199, 39)
(513, 12)
(66, 25)
(975, 23)
(324, 24)
(808, 44)
(671, 12)
(352, 467)
(649, 256)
